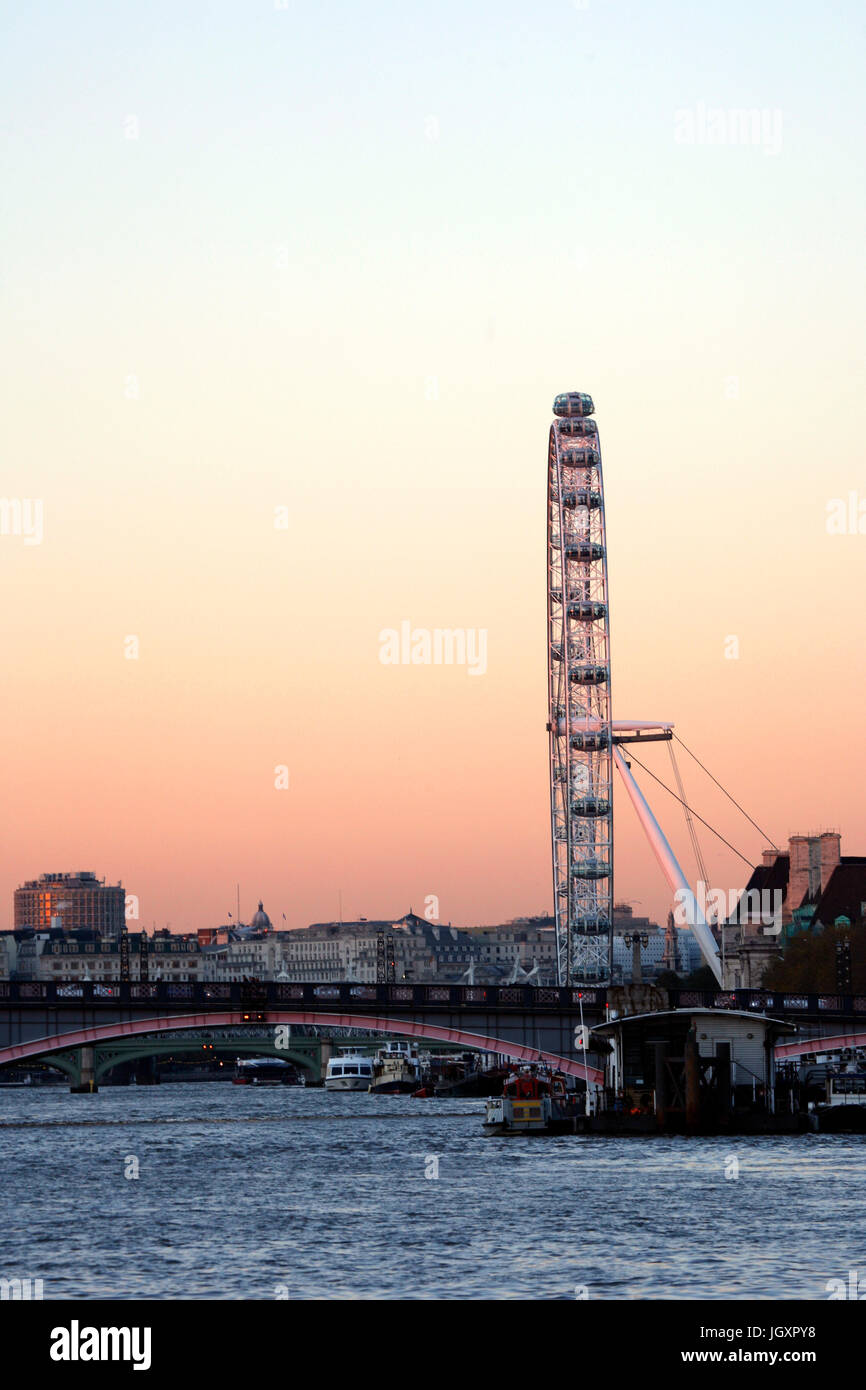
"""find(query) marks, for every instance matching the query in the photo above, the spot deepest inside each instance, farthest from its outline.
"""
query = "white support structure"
(670, 867)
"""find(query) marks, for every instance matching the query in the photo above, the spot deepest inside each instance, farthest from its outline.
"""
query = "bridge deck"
(432, 998)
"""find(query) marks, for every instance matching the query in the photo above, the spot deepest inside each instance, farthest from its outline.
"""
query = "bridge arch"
(68, 1066)
(403, 1027)
(801, 1046)
(234, 1047)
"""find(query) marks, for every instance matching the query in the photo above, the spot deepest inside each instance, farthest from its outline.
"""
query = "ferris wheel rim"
(579, 693)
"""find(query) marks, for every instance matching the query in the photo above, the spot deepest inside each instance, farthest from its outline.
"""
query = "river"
(261, 1193)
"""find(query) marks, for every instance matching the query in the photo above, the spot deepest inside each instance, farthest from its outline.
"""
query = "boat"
(842, 1110)
(265, 1071)
(533, 1101)
(349, 1071)
(462, 1076)
(396, 1070)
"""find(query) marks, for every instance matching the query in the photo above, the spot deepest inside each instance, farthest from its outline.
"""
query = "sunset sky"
(330, 265)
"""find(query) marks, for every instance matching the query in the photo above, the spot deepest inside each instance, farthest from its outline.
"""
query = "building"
(20, 954)
(85, 955)
(409, 948)
(74, 901)
(412, 948)
(70, 957)
(241, 951)
(521, 951)
(8, 954)
(693, 1069)
(516, 952)
(810, 886)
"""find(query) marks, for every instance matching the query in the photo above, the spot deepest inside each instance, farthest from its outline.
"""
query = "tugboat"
(396, 1070)
(533, 1101)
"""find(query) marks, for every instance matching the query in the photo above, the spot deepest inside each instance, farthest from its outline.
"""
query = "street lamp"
(636, 940)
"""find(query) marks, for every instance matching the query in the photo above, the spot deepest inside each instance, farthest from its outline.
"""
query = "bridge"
(45, 1019)
(309, 1054)
(821, 1042)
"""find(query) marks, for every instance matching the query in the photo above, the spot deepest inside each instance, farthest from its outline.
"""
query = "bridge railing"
(346, 996)
(320, 995)
(788, 1002)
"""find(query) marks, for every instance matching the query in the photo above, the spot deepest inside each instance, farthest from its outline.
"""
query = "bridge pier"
(86, 1079)
(326, 1052)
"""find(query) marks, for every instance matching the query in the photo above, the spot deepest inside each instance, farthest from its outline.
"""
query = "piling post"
(723, 1080)
(692, 1076)
(661, 1056)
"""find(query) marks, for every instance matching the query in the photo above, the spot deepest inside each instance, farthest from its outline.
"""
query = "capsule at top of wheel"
(573, 403)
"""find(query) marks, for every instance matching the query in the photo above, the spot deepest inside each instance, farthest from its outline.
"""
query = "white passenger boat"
(349, 1071)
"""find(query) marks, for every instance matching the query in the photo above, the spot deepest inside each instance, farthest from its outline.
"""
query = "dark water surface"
(256, 1193)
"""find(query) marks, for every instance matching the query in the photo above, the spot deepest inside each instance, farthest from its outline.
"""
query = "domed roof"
(261, 920)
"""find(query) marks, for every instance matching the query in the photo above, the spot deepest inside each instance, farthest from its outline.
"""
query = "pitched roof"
(845, 893)
(767, 878)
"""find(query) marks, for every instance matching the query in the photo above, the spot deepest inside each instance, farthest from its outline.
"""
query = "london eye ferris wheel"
(578, 662)
(585, 741)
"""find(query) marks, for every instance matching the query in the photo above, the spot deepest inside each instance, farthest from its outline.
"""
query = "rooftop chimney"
(798, 878)
(830, 850)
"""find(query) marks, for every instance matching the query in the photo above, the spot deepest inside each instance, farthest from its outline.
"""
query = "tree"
(668, 979)
(702, 978)
(809, 963)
